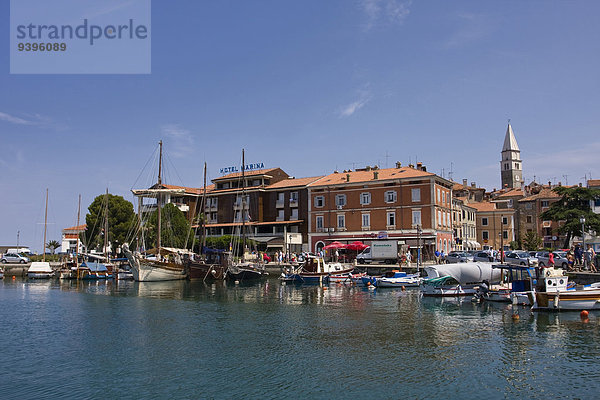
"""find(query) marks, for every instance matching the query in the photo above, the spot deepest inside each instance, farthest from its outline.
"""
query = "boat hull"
(205, 272)
(566, 300)
(447, 291)
(149, 272)
(40, 275)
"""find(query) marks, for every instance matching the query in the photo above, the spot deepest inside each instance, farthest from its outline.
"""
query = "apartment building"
(404, 203)
(494, 226)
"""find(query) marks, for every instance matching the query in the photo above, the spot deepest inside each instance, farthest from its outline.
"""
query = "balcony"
(210, 208)
(390, 227)
(293, 202)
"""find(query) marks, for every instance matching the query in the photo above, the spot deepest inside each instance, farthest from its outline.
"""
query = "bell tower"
(511, 166)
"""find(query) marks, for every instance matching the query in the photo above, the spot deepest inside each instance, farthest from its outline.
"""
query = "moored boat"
(393, 279)
(446, 286)
(154, 266)
(315, 270)
(40, 270)
(551, 294)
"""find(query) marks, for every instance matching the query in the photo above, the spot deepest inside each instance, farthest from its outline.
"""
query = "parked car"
(458, 257)
(520, 257)
(14, 258)
(483, 256)
(560, 259)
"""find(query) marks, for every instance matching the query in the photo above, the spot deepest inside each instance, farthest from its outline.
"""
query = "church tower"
(511, 172)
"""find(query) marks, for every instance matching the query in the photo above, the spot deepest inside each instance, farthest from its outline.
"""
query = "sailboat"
(89, 270)
(41, 269)
(159, 264)
(202, 268)
(244, 270)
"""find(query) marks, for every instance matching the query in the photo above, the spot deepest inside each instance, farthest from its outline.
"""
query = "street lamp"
(418, 247)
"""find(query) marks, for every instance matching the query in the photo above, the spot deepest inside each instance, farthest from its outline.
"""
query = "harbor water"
(187, 340)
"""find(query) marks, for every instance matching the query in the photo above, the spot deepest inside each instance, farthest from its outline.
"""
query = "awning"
(262, 239)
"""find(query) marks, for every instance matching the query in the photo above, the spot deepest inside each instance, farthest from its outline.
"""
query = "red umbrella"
(334, 245)
(356, 246)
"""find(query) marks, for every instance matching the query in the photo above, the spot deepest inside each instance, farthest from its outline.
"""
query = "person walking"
(590, 255)
(437, 256)
(408, 258)
(551, 259)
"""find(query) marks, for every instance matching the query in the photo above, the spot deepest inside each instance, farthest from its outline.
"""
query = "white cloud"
(385, 11)
(351, 108)
(472, 27)
(15, 120)
(181, 140)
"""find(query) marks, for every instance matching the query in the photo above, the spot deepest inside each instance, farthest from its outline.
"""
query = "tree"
(531, 241)
(573, 204)
(52, 245)
(175, 228)
(120, 221)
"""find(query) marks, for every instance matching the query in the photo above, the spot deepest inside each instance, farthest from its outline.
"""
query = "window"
(484, 221)
(528, 206)
(597, 203)
(504, 221)
(366, 220)
(341, 221)
(280, 197)
(544, 203)
(319, 222)
(529, 219)
(365, 198)
(505, 234)
(294, 214)
(485, 235)
(516, 165)
(391, 218)
(390, 196)
(340, 200)
(319, 201)
(444, 197)
(416, 217)
(293, 196)
(280, 215)
(415, 195)
(444, 219)
(439, 197)
(506, 167)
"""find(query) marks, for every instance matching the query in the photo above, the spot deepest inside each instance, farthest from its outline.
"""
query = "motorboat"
(315, 270)
(393, 279)
(40, 270)
(457, 279)
(551, 293)
(89, 270)
(446, 286)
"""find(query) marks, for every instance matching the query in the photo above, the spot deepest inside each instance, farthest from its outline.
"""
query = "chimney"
(420, 166)
(375, 174)
(424, 168)
(347, 177)
(411, 166)
(398, 164)
(550, 183)
(474, 186)
(559, 183)
(465, 182)
(368, 168)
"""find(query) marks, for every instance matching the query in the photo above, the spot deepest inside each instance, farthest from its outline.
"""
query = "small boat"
(346, 278)
(393, 279)
(515, 282)
(153, 266)
(446, 286)
(551, 293)
(92, 270)
(316, 271)
(244, 271)
(40, 270)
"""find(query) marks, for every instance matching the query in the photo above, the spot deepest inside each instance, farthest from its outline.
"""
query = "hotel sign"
(249, 167)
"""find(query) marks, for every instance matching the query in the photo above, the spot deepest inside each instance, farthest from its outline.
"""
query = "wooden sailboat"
(159, 264)
(202, 268)
(41, 269)
(244, 270)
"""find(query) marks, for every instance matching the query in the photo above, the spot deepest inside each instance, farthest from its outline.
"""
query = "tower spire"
(510, 165)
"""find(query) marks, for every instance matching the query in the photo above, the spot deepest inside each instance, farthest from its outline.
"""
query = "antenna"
(566, 179)
(387, 156)
(451, 173)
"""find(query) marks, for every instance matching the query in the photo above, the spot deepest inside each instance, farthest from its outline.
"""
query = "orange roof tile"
(286, 183)
(340, 178)
(483, 206)
(593, 182)
(511, 193)
(545, 193)
(76, 228)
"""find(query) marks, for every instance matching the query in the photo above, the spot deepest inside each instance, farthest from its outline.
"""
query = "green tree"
(120, 221)
(531, 241)
(175, 228)
(573, 204)
(52, 245)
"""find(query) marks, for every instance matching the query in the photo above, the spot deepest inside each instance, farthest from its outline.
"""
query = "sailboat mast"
(45, 224)
(77, 246)
(243, 205)
(204, 212)
(158, 198)
(106, 226)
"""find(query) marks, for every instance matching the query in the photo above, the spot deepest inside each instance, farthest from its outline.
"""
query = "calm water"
(188, 340)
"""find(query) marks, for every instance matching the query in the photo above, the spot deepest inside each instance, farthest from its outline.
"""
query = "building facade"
(404, 203)
(495, 227)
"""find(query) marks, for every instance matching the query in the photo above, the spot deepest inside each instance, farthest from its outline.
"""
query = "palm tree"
(52, 245)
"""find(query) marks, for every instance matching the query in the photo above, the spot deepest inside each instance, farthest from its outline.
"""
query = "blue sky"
(308, 86)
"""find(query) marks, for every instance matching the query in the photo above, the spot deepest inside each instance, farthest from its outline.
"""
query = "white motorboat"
(40, 270)
(446, 286)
